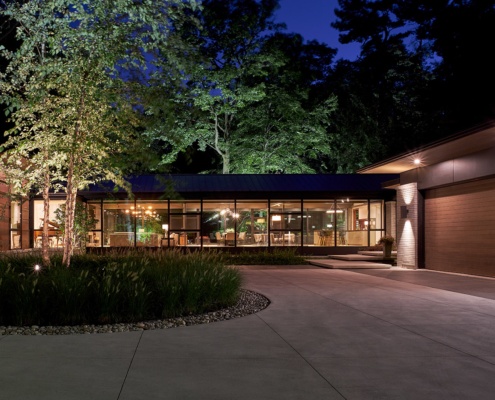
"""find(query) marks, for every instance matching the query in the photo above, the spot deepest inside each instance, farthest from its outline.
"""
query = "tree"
(66, 92)
(423, 71)
(216, 87)
(385, 96)
(250, 89)
(286, 131)
(84, 222)
(457, 32)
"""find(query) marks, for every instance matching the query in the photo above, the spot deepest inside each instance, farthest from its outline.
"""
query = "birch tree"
(66, 90)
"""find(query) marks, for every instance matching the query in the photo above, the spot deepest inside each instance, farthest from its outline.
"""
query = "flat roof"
(460, 144)
(248, 185)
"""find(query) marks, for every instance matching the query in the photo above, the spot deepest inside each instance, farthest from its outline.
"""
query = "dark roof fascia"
(466, 132)
(249, 187)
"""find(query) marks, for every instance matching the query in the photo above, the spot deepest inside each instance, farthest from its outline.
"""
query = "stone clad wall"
(407, 228)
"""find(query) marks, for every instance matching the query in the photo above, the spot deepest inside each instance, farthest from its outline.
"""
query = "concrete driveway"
(328, 334)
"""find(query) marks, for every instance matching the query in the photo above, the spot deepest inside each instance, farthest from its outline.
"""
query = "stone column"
(407, 225)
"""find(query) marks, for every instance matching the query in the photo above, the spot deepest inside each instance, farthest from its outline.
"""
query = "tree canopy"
(223, 87)
(423, 72)
(249, 89)
(66, 92)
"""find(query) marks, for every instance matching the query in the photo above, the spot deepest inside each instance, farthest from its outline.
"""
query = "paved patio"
(328, 334)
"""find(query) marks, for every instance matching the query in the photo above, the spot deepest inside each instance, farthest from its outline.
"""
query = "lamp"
(165, 228)
(276, 218)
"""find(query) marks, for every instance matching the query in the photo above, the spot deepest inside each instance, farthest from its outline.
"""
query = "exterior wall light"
(403, 212)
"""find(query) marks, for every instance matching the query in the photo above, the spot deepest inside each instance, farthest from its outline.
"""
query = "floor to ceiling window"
(285, 223)
(236, 223)
(185, 225)
(319, 223)
(55, 238)
(252, 226)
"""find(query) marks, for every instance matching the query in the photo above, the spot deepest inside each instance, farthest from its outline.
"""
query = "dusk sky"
(311, 19)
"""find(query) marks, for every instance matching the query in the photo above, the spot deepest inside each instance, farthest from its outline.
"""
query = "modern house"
(318, 214)
(446, 203)
(437, 201)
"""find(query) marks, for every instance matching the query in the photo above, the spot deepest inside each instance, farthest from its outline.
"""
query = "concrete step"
(341, 264)
(355, 257)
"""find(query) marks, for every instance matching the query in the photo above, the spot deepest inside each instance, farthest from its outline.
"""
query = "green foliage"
(115, 287)
(273, 257)
(84, 222)
(245, 96)
(67, 90)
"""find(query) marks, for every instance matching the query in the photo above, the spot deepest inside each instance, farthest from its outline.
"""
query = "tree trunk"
(226, 162)
(71, 190)
(45, 245)
(70, 206)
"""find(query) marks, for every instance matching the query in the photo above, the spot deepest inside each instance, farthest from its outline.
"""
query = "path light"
(37, 268)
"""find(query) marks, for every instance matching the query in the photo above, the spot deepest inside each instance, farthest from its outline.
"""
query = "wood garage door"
(460, 228)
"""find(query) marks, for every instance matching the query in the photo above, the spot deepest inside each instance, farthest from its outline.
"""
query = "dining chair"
(219, 237)
(230, 239)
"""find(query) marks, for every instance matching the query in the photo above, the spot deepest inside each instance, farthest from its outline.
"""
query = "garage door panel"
(460, 228)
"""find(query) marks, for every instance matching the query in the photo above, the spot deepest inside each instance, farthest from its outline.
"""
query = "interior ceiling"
(436, 153)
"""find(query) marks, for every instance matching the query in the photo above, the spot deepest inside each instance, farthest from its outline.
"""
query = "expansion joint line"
(303, 358)
(130, 365)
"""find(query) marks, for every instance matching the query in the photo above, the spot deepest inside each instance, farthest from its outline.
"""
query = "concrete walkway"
(328, 334)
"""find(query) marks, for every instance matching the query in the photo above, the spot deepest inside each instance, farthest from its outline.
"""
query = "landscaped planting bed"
(117, 287)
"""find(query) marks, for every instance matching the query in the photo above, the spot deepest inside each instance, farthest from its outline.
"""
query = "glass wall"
(319, 226)
(352, 221)
(185, 225)
(239, 223)
(118, 223)
(377, 220)
(152, 224)
(219, 222)
(54, 233)
(252, 226)
(94, 236)
(285, 223)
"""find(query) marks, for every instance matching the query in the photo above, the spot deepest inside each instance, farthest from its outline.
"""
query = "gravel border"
(249, 303)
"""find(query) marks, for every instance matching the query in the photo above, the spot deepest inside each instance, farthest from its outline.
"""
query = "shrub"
(274, 257)
(123, 286)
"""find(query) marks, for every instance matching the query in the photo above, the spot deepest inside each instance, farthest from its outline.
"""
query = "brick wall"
(407, 228)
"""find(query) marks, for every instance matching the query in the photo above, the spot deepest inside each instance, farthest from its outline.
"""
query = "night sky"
(311, 19)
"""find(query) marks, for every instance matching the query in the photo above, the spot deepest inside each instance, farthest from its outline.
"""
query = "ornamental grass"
(275, 256)
(125, 286)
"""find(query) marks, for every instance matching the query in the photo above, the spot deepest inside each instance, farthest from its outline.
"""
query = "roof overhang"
(466, 142)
